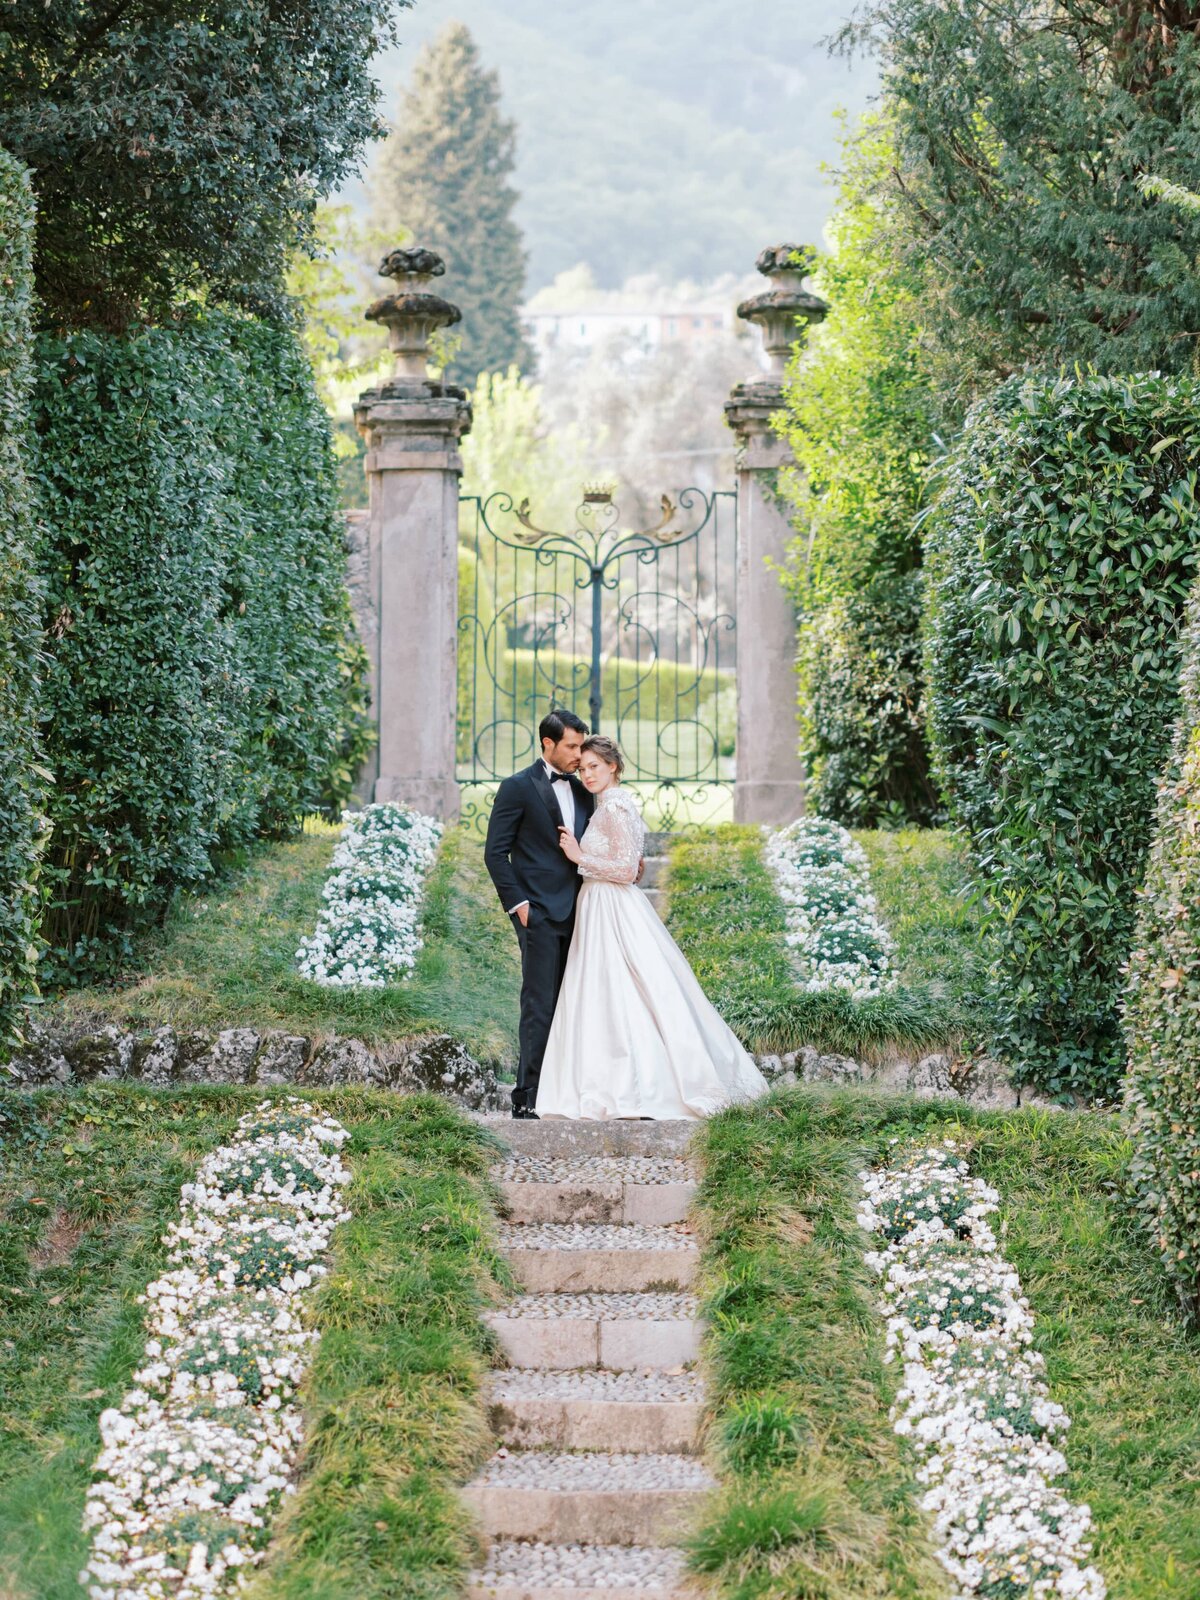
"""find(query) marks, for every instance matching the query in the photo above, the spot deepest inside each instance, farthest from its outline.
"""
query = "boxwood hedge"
(1060, 555)
(21, 784)
(196, 691)
(1163, 1002)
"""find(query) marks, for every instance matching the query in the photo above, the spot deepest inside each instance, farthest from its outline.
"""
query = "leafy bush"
(860, 419)
(179, 149)
(862, 718)
(1163, 1004)
(21, 819)
(1060, 556)
(197, 687)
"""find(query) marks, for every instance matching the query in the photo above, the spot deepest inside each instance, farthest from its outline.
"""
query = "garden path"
(597, 1416)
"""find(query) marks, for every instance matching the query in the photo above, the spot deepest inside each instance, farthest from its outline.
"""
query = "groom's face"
(564, 756)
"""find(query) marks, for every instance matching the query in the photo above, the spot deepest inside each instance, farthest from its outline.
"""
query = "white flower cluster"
(974, 1401)
(367, 931)
(197, 1457)
(833, 925)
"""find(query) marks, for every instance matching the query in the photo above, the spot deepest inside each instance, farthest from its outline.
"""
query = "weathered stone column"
(770, 779)
(412, 427)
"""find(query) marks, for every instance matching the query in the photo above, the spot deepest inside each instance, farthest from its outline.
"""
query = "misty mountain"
(675, 138)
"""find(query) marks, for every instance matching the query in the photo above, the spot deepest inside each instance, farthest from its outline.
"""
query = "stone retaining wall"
(439, 1064)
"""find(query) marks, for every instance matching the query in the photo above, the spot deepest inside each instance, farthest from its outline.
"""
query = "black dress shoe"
(525, 1112)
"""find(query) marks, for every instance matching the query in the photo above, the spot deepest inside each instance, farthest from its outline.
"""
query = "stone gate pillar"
(770, 780)
(412, 427)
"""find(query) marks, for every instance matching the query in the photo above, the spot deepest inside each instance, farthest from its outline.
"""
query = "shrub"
(193, 560)
(1060, 555)
(860, 420)
(1163, 1003)
(21, 819)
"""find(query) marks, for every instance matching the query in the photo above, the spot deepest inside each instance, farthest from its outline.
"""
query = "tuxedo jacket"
(522, 851)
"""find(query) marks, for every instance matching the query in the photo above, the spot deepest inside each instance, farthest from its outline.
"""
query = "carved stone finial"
(785, 310)
(412, 314)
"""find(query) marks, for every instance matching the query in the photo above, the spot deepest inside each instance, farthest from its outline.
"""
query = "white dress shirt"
(566, 806)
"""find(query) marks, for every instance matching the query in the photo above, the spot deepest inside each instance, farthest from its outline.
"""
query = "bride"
(633, 1034)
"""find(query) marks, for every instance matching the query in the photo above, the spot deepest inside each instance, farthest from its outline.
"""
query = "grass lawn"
(818, 1497)
(90, 1181)
(226, 957)
(729, 921)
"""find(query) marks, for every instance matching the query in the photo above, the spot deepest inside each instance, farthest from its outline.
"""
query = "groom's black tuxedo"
(523, 856)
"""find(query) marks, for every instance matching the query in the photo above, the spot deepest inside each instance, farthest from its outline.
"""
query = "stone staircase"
(657, 845)
(597, 1416)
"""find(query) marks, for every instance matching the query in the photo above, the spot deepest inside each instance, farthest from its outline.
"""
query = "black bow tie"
(560, 777)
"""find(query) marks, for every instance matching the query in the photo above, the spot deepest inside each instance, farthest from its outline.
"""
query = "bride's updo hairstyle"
(607, 750)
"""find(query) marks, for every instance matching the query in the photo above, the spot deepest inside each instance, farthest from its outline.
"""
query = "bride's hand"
(569, 844)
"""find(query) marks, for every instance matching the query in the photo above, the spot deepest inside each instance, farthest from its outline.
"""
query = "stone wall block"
(156, 1059)
(280, 1059)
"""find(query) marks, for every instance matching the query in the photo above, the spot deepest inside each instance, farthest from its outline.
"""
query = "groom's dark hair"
(555, 723)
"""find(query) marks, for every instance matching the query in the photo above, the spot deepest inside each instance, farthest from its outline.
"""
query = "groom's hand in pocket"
(521, 913)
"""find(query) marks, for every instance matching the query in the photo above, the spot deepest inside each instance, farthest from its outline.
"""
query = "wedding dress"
(633, 1034)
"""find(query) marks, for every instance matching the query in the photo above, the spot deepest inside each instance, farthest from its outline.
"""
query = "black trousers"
(544, 948)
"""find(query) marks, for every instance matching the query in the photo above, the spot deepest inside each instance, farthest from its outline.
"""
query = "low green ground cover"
(724, 911)
(91, 1179)
(818, 1499)
(228, 957)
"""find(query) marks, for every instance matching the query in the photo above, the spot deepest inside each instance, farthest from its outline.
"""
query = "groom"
(536, 883)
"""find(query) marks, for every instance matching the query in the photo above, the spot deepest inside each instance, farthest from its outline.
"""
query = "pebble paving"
(542, 1571)
(592, 1169)
(592, 1236)
(581, 1566)
(530, 1383)
(664, 1307)
(613, 1472)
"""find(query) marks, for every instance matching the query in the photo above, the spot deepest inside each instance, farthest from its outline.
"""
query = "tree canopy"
(443, 178)
(180, 150)
(1023, 128)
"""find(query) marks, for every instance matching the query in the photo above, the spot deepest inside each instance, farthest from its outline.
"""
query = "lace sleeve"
(612, 845)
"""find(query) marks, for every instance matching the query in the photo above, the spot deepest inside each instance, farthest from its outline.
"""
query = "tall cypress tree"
(443, 176)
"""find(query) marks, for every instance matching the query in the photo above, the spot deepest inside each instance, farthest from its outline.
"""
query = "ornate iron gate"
(632, 629)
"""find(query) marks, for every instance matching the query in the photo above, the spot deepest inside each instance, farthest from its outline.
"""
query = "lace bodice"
(615, 839)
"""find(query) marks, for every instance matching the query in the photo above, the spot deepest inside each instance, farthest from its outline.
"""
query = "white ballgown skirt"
(633, 1034)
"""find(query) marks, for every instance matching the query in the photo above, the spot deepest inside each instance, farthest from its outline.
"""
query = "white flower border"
(815, 860)
(367, 933)
(198, 1453)
(973, 1401)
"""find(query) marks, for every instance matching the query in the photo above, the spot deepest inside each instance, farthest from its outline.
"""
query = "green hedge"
(197, 690)
(1163, 1004)
(21, 799)
(1060, 556)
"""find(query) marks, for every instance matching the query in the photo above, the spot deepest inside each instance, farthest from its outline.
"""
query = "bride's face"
(594, 773)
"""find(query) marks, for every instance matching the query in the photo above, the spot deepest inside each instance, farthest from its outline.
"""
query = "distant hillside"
(676, 138)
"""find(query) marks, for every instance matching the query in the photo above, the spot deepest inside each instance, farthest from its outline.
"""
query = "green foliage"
(1163, 1004)
(21, 777)
(1060, 555)
(181, 151)
(1017, 180)
(818, 1501)
(725, 913)
(226, 957)
(200, 689)
(859, 417)
(443, 178)
(90, 1180)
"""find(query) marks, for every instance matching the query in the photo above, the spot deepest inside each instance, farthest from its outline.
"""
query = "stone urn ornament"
(412, 313)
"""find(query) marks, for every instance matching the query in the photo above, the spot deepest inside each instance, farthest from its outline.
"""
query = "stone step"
(578, 1257)
(652, 873)
(643, 1412)
(622, 1332)
(658, 844)
(523, 1571)
(588, 1498)
(564, 1136)
(595, 1189)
